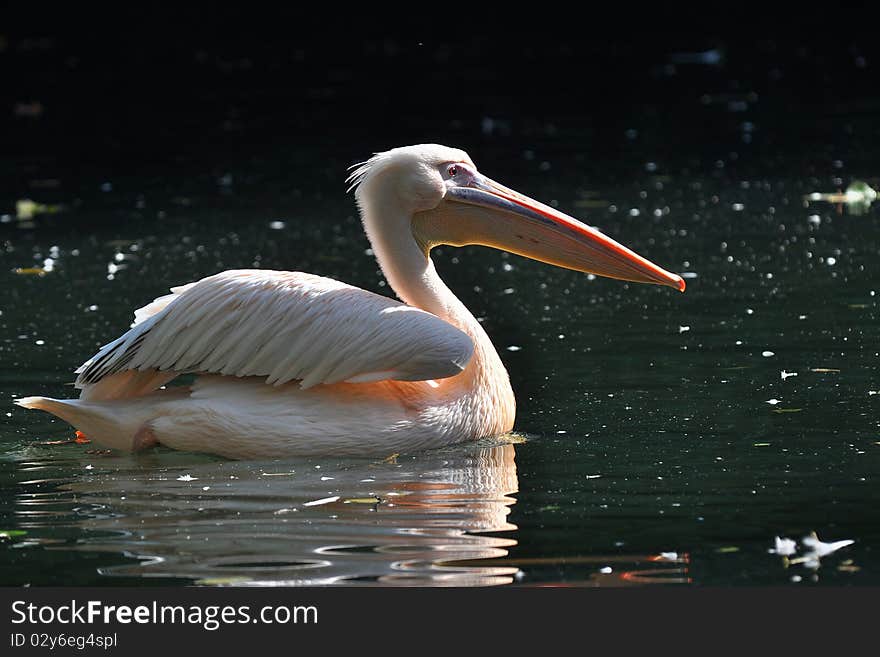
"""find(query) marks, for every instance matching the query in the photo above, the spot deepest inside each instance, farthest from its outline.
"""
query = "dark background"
(170, 93)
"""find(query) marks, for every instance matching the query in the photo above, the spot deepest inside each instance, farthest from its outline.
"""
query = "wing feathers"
(285, 326)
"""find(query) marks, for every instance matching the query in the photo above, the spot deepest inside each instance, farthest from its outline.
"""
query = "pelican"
(289, 363)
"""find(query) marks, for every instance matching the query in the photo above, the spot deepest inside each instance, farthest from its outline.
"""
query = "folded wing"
(284, 326)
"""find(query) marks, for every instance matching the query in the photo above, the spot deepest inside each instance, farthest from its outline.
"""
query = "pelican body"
(290, 363)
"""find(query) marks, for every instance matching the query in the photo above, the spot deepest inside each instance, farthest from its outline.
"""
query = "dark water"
(662, 438)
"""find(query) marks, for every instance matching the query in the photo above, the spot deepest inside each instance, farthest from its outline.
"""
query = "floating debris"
(684, 329)
(30, 271)
(362, 500)
(857, 198)
(26, 209)
(784, 546)
(323, 500)
(815, 550)
(772, 402)
(821, 548)
(823, 370)
(187, 477)
(12, 533)
(785, 375)
(767, 354)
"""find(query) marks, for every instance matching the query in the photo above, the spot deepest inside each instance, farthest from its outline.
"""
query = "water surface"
(662, 438)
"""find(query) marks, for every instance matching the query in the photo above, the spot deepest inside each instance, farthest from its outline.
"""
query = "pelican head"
(440, 193)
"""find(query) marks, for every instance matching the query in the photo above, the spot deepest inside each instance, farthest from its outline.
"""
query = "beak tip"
(680, 284)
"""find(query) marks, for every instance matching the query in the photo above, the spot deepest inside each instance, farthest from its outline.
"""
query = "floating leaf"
(29, 271)
(727, 549)
(760, 444)
(823, 370)
(787, 410)
(12, 533)
(392, 458)
(362, 500)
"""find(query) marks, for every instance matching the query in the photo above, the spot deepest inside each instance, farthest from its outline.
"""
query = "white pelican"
(292, 364)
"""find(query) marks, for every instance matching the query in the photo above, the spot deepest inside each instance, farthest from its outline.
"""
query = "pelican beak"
(485, 212)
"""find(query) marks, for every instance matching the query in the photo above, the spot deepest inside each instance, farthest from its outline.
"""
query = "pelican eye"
(452, 171)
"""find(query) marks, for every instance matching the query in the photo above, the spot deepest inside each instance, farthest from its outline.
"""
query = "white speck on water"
(90, 467)
(277, 225)
(738, 342)
(206, 488)
(562, 431)
(767, 354)
(513, 347)
(326, 478)
(595, 476)
(830, 261)
(606, 570)
(670, 556)
(738, 207)
(508, 290)
(815, 219)
(749, 311)
(187, 477)
(796, 578)
(689, 274)
(773, 402)
(684, 329)
(784, 375)
(591, 277)
(634, 212)
(92, 308)
(802, 317)
(40, 342)
(507, 266)
(323, 500)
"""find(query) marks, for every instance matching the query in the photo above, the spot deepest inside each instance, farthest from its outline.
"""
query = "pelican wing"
(284, 326)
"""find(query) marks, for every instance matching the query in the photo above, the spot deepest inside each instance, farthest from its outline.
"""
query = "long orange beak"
(485, 212)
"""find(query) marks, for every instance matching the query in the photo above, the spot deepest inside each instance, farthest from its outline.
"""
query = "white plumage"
(291, 363)
(284, 326)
